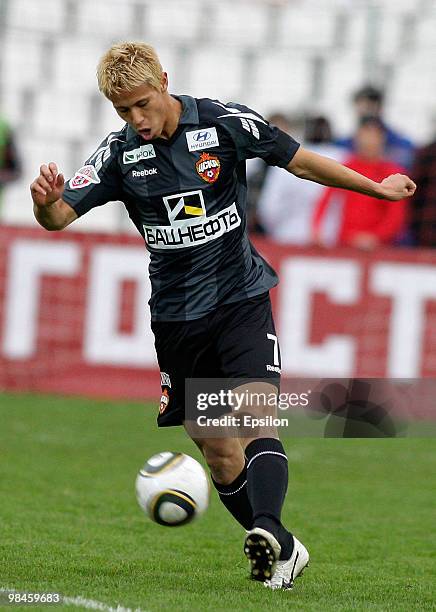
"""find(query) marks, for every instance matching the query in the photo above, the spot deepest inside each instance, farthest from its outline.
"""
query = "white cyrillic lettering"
(409, 286)
(28, 262)
(300, 278)
(104, 342)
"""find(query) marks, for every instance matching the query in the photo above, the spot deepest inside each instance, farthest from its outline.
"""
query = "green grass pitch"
(69, 521)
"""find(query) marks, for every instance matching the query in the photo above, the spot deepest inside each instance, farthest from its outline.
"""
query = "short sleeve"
(97, 181)
(255, 137)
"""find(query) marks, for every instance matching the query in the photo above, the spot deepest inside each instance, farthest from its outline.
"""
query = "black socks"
(234, 497)
(256, 496)
(267, 482)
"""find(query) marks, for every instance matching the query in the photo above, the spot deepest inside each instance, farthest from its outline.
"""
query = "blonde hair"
(127, 65)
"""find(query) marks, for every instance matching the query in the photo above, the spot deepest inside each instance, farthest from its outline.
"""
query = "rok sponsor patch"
(145, 152)
(87, 175)
(208, 167)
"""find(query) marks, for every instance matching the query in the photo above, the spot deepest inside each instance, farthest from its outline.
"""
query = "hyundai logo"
(202, 136)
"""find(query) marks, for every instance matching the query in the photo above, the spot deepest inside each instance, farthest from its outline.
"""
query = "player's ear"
(164, 82)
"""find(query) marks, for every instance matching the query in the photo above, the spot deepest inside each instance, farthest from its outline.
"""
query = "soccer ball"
(172, 489)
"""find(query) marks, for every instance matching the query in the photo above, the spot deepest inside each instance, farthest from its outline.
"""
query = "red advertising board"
(74, 316)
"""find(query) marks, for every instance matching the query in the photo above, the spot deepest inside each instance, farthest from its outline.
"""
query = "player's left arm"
(313, 167)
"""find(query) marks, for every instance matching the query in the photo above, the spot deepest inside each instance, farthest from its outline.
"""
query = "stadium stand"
(210, 78)
(296, 28)
(113, 20)
(291, 54)
(290, 91)
(190, 21)
(27, 16)
(245, 23)
(21, 56)
(72, 67)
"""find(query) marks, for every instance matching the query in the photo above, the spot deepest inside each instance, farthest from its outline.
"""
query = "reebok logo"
(142, 173)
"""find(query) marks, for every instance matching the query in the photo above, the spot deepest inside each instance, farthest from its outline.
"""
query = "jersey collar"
(189, 114)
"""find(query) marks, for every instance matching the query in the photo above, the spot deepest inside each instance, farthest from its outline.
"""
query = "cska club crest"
(208, 167)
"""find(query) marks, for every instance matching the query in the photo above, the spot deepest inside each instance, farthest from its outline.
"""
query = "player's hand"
(48, 187)
(316, 239)
(364, 241)
(396, 187)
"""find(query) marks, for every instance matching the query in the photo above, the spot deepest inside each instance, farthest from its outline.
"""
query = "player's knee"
(225, 459)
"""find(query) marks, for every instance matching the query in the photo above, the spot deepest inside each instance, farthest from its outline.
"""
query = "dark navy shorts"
(235, 341)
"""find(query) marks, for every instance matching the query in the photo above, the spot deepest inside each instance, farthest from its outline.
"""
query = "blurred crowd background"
(351, 79)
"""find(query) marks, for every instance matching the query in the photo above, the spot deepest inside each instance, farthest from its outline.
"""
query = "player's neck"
(174, 110)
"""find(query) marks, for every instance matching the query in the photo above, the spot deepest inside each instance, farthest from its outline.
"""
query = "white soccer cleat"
(262, 550)
(287, 571)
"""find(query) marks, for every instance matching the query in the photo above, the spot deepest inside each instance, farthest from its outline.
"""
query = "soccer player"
(179, 167)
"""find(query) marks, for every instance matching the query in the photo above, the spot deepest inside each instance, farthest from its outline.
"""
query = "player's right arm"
(313, 167)
(48, 206)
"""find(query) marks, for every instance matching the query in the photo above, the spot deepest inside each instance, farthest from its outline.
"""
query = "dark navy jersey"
(187, 197)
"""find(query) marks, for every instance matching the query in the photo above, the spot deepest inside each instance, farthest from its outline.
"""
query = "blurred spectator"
(317, 130)
(10, 164)
(368, 101)
(286, 203)
(423, 203)
(257, 170)
(366, 222)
